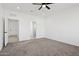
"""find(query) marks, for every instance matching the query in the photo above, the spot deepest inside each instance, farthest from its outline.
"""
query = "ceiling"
(33, 9)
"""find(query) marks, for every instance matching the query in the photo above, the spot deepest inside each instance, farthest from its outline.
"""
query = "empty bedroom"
(39, 29)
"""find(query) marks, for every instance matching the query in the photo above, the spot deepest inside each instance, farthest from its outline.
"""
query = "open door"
(5, 32)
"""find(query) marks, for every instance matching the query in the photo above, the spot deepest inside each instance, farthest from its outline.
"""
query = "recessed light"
(18, 8)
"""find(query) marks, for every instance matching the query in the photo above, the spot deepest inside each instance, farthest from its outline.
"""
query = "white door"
(5, 32)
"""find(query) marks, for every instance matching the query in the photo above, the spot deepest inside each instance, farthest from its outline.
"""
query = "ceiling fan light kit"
(43, 5)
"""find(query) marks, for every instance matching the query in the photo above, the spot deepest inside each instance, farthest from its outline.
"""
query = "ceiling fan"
(43, 5)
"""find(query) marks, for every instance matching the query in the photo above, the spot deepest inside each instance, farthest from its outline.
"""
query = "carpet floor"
(40, 47)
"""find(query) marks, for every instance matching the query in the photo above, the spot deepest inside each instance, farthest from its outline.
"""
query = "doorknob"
(5, 32)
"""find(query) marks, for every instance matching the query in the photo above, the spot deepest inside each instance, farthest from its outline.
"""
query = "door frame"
(34, 29)
(3, 32)
(18, 26)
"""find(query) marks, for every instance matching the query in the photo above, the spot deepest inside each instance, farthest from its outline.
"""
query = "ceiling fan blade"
(47, 7)
(40, 7)
(36, 3)
(49, 3)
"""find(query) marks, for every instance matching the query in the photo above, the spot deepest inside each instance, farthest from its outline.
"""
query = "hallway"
(12, 39)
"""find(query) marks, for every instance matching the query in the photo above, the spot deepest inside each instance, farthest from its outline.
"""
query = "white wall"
(64, 26)
(1, 28)
(25, 20)
(26, 27)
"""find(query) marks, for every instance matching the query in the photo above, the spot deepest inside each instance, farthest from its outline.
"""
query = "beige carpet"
(40, 47)
(13, 38)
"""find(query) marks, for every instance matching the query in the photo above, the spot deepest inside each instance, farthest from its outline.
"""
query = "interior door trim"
(3, 32)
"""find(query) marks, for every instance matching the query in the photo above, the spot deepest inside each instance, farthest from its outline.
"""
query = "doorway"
(13, 30)
(34, 28)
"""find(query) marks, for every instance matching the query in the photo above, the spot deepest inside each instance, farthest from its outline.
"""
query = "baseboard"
(63, 41)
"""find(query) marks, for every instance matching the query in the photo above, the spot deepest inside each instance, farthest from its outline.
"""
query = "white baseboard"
(63, 41)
